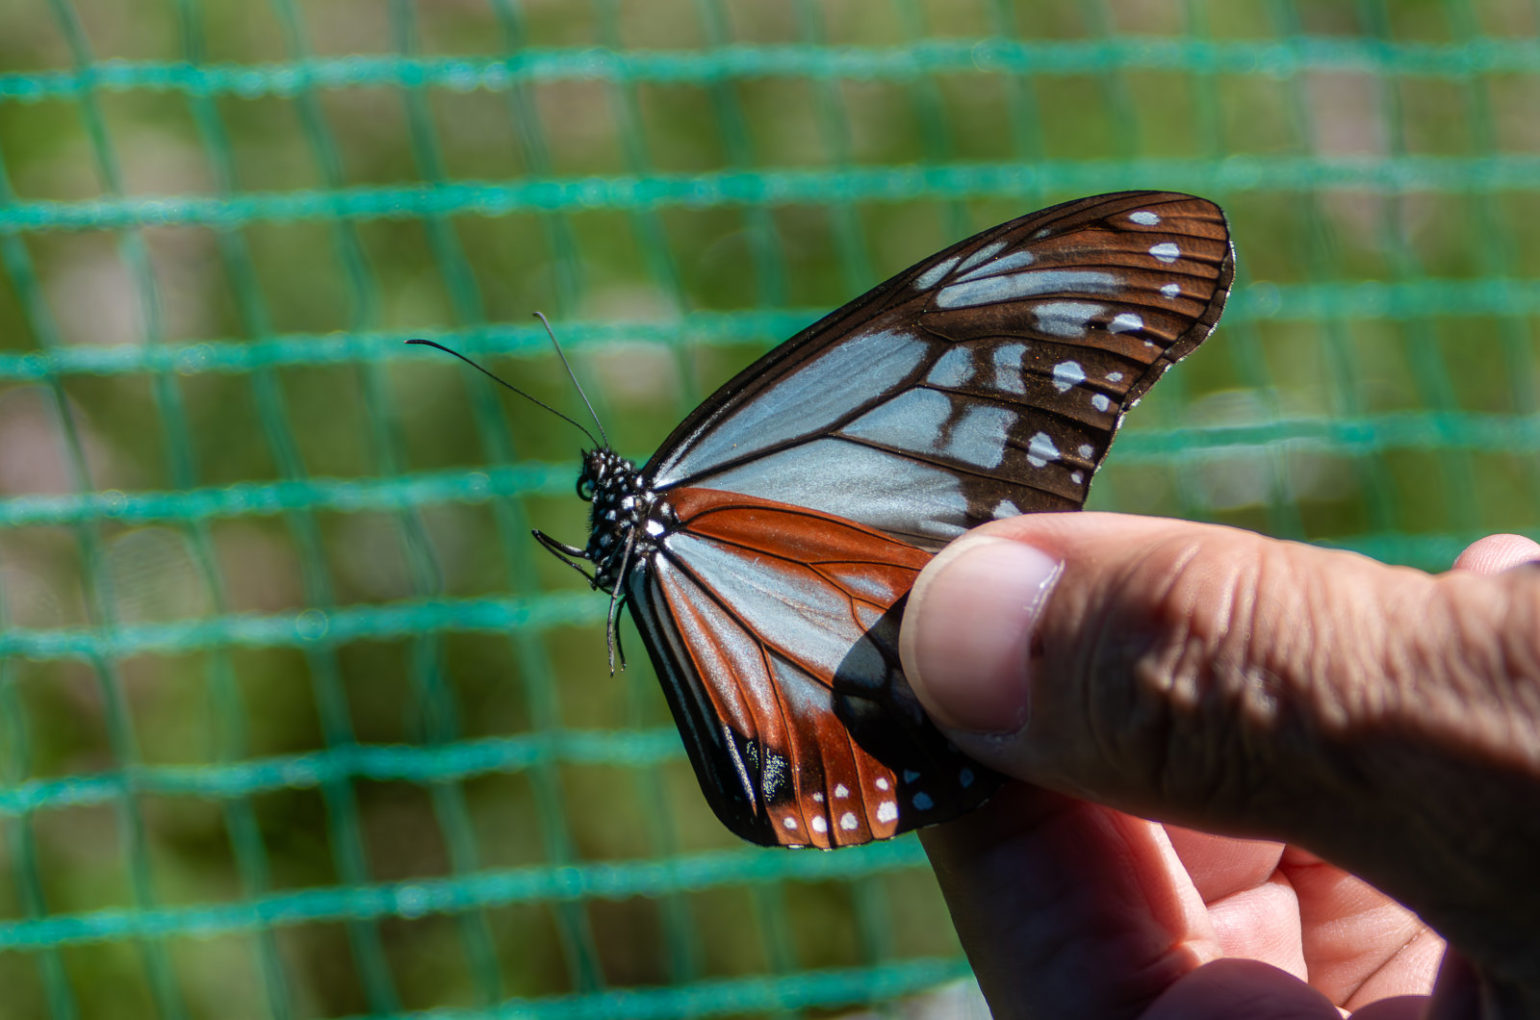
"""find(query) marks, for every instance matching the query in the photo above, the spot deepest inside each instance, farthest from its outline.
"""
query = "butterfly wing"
(984, 382)
(774, 630)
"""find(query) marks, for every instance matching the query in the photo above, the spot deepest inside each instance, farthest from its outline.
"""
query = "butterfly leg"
(619, 646)
(566, 553)
(611, 635)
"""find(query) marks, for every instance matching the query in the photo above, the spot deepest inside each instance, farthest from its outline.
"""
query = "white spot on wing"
(1144, 218)
(1067, 374)
(789, 822)
(1077, 477)
(841, 791)
(881, 783)
(887, 811)
(1100, 402)
(818, 797)
(1125, 322)
(1065, 318)
(1041, 450)
(934, 274)
(819, 825)
(848, 821)
(1086, 449)
(1171, 290)
(1006, 508)
(1166, 251)
(1114, 376)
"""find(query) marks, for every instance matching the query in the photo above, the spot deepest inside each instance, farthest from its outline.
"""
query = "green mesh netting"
(295, 721)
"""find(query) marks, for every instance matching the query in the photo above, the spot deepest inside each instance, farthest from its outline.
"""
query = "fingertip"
(1497, 553)
(968, 628)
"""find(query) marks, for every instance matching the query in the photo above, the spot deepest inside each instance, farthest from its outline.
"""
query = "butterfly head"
(597, 466)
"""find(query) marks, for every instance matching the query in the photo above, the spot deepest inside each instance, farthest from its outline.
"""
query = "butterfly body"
(627, 518)
(767, 548)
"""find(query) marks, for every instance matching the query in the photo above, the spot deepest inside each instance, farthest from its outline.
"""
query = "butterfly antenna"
(503, 382)
(573, 376)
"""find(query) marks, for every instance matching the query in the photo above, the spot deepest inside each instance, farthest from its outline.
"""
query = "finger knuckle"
(1193, 679)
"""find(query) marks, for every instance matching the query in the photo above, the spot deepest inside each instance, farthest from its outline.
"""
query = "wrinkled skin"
(1344, 759)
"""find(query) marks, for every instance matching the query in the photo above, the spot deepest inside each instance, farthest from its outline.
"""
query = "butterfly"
(767, 547)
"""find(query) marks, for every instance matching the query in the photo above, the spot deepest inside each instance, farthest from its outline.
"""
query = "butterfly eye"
(585, 488)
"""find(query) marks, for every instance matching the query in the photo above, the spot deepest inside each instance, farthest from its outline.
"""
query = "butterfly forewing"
(984, 382)
(782, 670)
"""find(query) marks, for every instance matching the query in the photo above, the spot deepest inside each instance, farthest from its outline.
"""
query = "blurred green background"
(295, 720)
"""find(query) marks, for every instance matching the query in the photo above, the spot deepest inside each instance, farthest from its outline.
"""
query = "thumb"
(1382, 717)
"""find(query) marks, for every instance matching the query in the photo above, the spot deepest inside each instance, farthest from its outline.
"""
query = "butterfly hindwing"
(984, 382)
(775, 630)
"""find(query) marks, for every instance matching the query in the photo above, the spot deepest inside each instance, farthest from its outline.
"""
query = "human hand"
(1297, 702)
